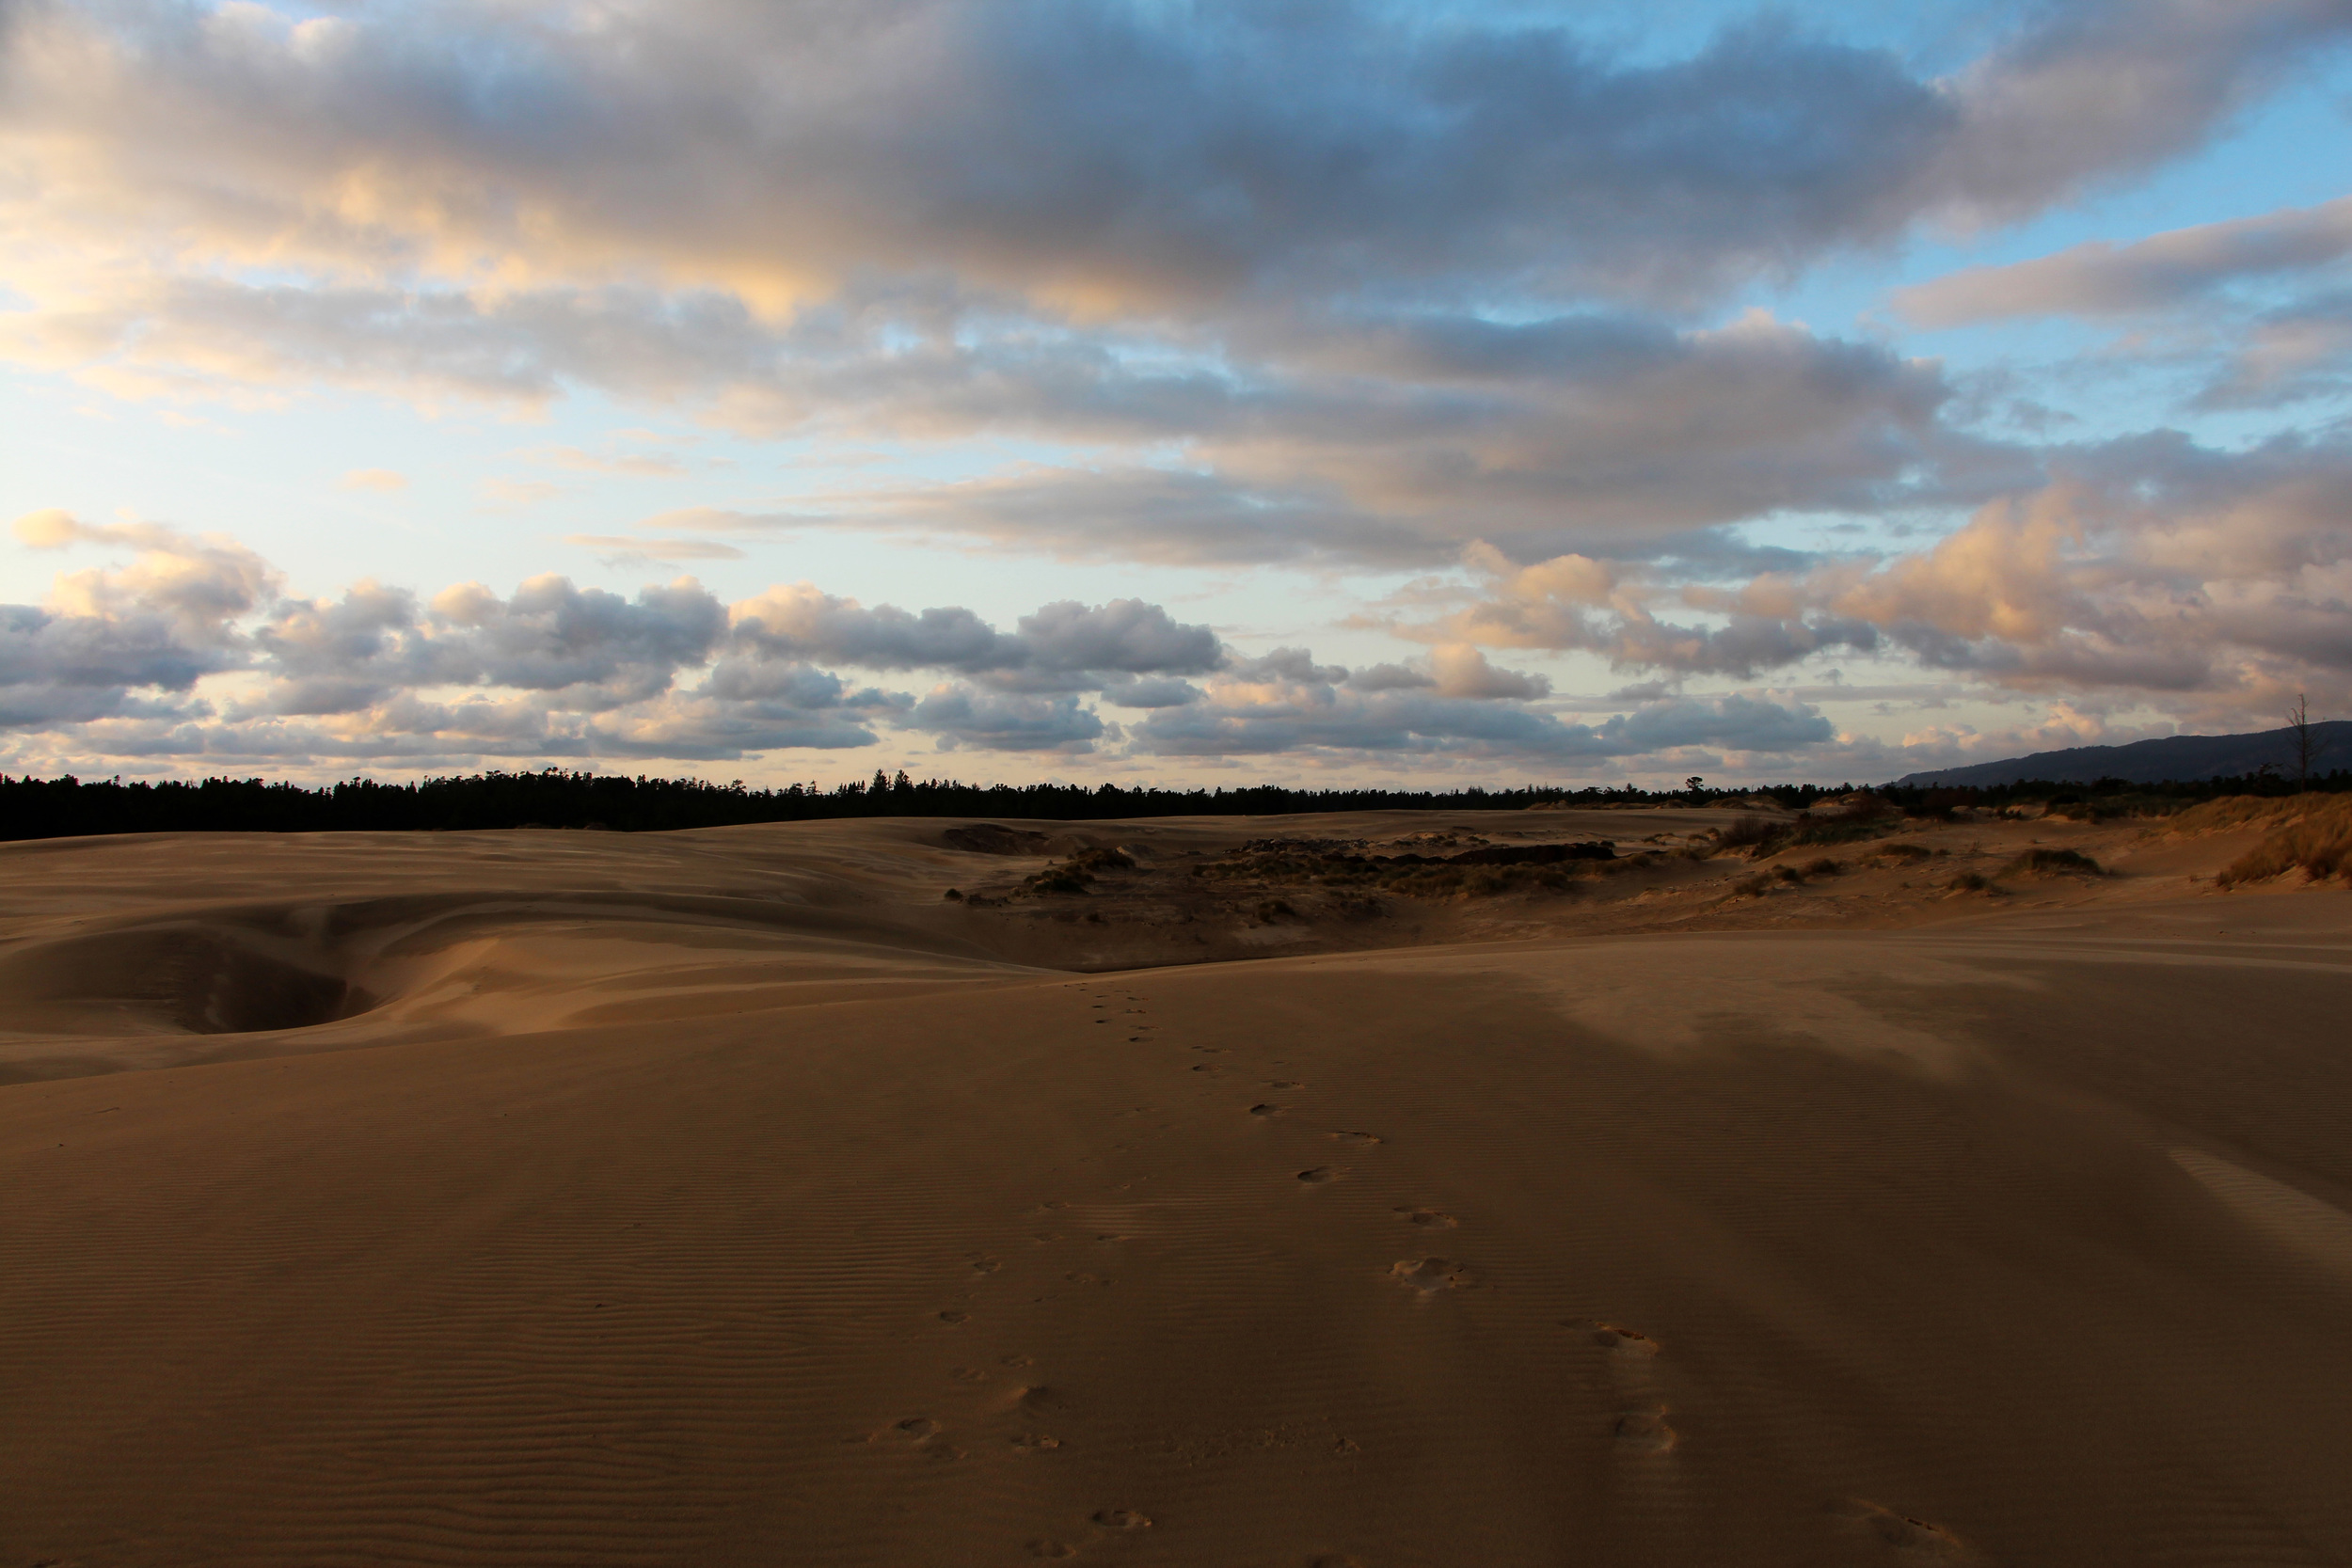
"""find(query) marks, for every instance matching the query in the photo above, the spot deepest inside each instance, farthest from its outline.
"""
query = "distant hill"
(2177, 757)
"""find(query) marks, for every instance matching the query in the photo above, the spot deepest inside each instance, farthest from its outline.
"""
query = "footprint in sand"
(1122, 1519)
(1035, 1442)
(1626, 1344)
(1266, 1108)
(985, 1265)
(1360, 1140)
(1040, 1400)
(1436, 1218)
(1052, 1548)
(917, 1426)
(1283, 1084)
(1916, 1540)
(1645, 1432)
(952, 1317)
(1429, 1275)
(1320, 1174)
(1208, 1067)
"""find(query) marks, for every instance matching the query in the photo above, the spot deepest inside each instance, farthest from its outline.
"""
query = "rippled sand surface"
(737, 1198)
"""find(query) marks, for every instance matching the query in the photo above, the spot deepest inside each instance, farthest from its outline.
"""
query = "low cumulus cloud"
(191, 653)
(1284, 701)
(2152, 566)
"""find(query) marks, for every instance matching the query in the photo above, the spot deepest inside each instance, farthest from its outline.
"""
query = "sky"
(1312, 393)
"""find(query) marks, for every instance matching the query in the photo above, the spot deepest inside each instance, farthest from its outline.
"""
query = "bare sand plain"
(735, 1197)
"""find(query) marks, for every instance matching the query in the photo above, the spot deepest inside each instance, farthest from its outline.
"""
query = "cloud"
(1461, 671)
(519, 492)
(2285, 355)
(997, 722)
(2159, 273)
(1396, 443)
(1063, 646)
(125, 641)
(384, 481)
(622, 549)
(192, 654)
(1285, 702)
(1126, 637)
(1124, 156)
(1372, 266)
(199, 586)
(2151, 566)
(2098, 90)
(630, 465)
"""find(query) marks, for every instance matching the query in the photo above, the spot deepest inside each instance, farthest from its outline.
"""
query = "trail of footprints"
(1638, 1429)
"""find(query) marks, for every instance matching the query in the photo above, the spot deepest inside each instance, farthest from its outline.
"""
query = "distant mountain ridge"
(2180, 758)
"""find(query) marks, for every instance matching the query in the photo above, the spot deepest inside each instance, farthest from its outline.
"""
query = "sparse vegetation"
(1969, 882)
(2048, 862)
(1901, 854)
(1089, 861)
(1852, 819)
(1750, 830)
(2110, 808)
(1825, 868)
(2315, 839)
(1486, 870)
(1076, 874)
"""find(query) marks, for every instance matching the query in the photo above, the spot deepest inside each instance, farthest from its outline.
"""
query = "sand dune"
(736, 1197)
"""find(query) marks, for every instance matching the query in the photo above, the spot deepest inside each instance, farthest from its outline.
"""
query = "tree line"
(558, 797)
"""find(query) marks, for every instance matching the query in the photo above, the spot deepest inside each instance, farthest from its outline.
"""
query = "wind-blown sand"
(735, 1197)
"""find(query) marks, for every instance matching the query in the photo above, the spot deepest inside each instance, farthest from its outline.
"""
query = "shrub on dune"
(2048, 862)
(1750, 831)
(2318, 843)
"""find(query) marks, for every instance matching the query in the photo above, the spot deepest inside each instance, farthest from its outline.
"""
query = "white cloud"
(2151, 566)
(2099, 279)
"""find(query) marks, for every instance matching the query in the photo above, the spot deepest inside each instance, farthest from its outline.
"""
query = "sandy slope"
(733, 1197)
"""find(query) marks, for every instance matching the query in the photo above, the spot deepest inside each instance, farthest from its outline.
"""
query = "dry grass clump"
(1076, 874)
(2108, 808)
(1901, 854)
(2048, 862)
(1473, 873)
(1750, 830)
(1825, 868)
(1849, 820)
(2318, 841)
(1969, 882)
